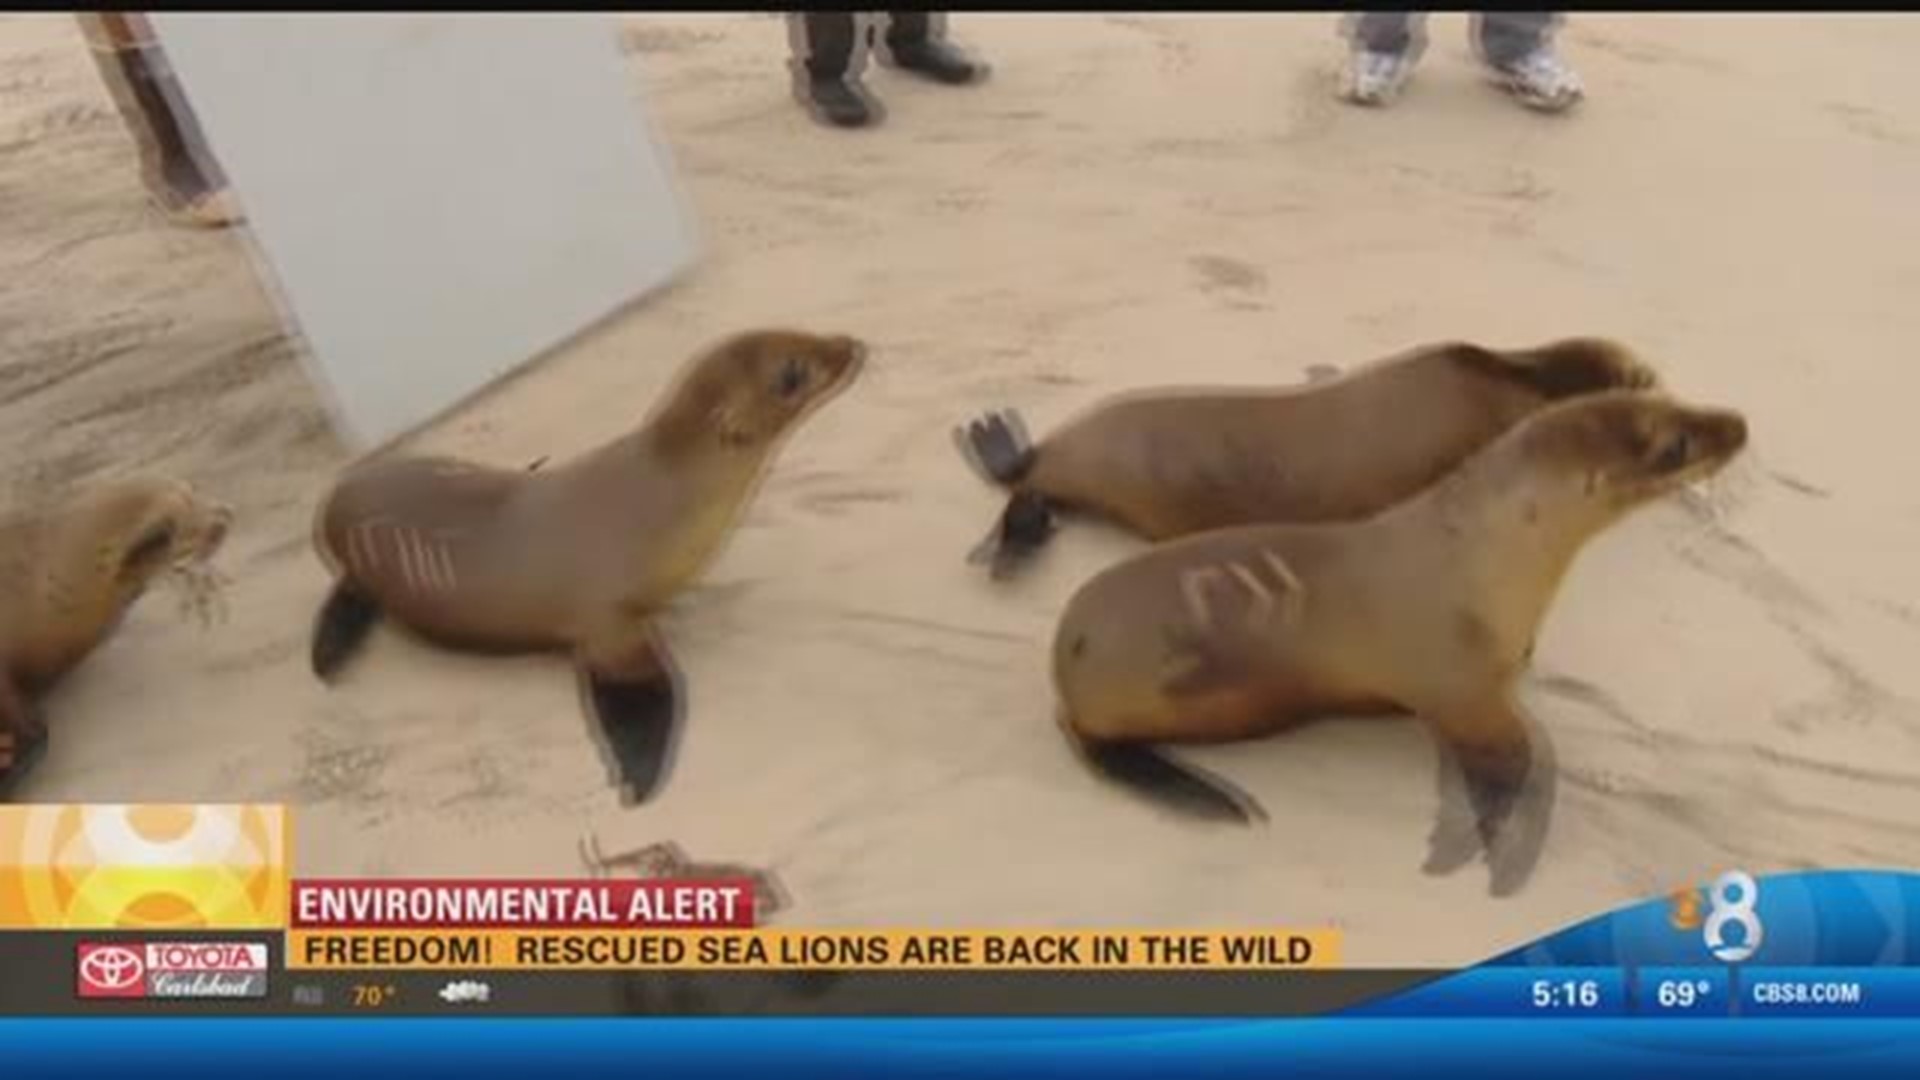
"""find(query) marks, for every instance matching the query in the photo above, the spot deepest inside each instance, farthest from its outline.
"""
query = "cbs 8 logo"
(1731, 902)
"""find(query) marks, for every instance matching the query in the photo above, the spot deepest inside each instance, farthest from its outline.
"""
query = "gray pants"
(1500, 37)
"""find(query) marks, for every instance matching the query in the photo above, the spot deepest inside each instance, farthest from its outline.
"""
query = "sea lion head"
(1626, 447)
(154, 526)
(752, 388)
(1578, 366)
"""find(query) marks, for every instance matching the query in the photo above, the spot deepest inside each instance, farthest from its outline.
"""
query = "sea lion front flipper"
(1515, 850)
(341, 629)
(1455, 839)
(633, 692)
(1509, 790)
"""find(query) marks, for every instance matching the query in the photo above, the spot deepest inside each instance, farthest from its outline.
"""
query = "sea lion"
(1430, 607)
(575, 556)
(1168, 463)
(69, 572)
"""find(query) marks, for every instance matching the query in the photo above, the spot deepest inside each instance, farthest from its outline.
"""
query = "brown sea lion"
(1429, 608)
(1168, 463)
(577, 556)
(69, 573)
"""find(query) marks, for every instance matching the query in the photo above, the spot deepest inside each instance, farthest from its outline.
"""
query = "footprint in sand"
(1239, 284)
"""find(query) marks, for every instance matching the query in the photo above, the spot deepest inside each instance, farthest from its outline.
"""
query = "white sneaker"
(1375, 78)
(1541, 81)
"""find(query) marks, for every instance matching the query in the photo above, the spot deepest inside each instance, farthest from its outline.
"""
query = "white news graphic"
(171, 969)
(466, 992)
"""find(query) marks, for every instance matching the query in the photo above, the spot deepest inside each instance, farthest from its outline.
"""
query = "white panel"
(439, 198)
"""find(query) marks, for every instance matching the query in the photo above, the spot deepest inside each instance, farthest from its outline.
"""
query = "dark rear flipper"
(639, 723)
(1189, 791)
(997, 446)
(341, 630)
(1024, 528)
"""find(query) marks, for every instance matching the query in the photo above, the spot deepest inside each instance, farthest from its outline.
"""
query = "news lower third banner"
(160, 910)
(148, 867)
(813, 950)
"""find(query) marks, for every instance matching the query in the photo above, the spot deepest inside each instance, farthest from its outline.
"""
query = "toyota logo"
(112, 968)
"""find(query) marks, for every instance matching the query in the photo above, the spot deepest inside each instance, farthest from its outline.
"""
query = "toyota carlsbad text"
(171, 969)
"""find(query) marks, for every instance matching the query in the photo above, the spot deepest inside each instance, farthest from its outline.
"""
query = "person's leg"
(916, 41)
(1386, 46)
(1518, 47)
(829, 55)
(175, 164)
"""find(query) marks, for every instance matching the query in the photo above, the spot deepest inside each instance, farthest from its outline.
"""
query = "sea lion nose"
(1733, 429)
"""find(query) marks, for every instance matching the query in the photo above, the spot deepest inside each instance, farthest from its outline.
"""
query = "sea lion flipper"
(1515, 850)
(633, 692)
(1191, 791)
(997, 446)
(1023, 528)
(1509, 781)
(341, 629)
(1455, 839)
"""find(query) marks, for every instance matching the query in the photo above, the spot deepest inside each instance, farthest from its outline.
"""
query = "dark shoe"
(838, 102)
(938, 61)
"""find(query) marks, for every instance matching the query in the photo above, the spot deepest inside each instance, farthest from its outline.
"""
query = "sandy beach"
(1129, 202)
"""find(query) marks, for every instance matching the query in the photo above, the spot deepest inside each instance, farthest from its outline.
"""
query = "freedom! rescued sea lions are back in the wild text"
(69, 573)
(1169, 463)
(1429, 608)
(576, 556)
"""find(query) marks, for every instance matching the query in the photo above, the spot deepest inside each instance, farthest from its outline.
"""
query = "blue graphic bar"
(1510, 992)
(951, 1049)
(1683, 991)
(1860, 992)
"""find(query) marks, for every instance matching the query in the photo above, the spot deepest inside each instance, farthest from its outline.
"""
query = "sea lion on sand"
(1170, 463)
(1430, 608)
(576, 556)
(68, 575)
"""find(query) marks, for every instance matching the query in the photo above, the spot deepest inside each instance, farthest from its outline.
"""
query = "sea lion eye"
(1673, 455)
(793, 376)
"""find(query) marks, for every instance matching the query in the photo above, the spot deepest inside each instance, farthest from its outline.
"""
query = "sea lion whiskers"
(201, 589)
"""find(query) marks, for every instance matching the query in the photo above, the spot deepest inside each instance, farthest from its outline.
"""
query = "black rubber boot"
(829, 57)
(836, 101)
(917, 43)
